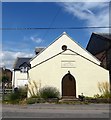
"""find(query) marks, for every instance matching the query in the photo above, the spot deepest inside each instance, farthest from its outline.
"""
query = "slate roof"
(106, 36)
(20, 61)
(99, 42)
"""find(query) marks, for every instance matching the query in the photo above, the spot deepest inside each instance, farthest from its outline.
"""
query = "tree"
(5, 79)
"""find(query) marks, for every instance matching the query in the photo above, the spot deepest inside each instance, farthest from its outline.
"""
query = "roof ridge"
(64, 33)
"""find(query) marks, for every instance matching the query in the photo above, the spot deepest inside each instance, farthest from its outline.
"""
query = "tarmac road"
(56, 111)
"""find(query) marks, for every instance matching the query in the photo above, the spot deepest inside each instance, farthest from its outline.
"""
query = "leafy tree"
(5, 79)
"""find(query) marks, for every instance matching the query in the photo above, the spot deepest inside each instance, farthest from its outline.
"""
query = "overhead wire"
(52, 22)
(52, 28)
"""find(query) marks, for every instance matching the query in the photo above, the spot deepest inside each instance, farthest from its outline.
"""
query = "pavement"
(46, 110)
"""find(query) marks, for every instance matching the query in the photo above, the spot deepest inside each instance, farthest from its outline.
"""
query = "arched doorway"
(68, 86)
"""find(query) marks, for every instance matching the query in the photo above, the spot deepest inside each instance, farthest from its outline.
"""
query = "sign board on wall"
(68, 64)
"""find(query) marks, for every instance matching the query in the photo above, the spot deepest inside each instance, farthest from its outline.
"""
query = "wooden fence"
(4, 92)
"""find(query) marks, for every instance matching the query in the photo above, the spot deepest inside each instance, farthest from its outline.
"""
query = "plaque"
(68, 64)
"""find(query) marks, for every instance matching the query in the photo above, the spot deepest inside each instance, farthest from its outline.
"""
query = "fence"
(4, 92)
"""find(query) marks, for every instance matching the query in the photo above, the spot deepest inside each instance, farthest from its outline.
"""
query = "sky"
(22, 43)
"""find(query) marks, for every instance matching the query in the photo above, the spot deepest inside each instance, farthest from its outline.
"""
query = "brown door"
(68, 85)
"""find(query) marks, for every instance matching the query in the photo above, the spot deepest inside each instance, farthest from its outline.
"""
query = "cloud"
(92, 13)
(9, 57)
(9, 54)
(36, 39)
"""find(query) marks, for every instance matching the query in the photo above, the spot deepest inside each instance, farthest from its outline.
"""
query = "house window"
(24, 69)
(64, 47)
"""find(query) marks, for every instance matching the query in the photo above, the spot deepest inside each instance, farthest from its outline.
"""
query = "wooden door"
(68, 86)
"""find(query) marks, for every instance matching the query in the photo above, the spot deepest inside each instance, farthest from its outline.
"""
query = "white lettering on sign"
(68, 64)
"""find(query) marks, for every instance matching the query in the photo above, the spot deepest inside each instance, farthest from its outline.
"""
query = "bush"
(98, 96)
(33, 89)
(104, 88)
(49, 92)
(18, 95)
(23, 92)
(31, 100)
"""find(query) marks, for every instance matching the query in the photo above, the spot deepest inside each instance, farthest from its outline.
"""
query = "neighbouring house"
(20, 72)
(100, 46)
(7, 73)
(64, 64)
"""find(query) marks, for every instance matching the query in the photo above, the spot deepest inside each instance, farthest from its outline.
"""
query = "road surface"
(56, 111)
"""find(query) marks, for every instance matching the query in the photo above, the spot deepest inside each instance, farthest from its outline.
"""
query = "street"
(56, 111)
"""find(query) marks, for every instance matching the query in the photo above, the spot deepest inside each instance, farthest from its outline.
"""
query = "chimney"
(38, 50)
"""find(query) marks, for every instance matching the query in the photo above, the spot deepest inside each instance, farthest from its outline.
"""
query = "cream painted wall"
(55, 48)
(19, 79)
(86, 73)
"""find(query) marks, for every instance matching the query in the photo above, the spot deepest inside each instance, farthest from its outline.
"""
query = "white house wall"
(55, 48)
(19, 79)
(86, 73)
